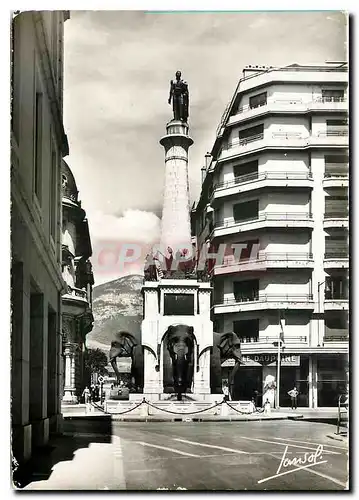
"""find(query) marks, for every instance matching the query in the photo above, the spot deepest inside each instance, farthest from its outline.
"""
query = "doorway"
(248, 383)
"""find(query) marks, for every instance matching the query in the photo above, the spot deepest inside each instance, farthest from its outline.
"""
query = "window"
(337, 127)
(247, 330)
(245, 211)
(246, 290)
(336, 326)
(178, 304)
(246, 170)
(336, 321)
(38, 146)
(258, 100)
(251, 133)
(336, 165)
(337, 204)
(333, 95)
(337, 245)
(53, 197)
(336, 288)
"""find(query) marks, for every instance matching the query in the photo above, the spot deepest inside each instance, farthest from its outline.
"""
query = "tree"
(96, 361)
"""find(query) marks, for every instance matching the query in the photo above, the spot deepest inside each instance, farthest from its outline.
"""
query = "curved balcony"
(335, 179)
(336, 219)
(263, 220)
(77, 294)
(283, 140)
(266, 261)
(264, 301)
(336, 260)
(289, 106)
(337, 304)
(330, 138)
(257, 180)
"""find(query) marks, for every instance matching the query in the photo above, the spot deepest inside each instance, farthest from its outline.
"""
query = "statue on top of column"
(179, 95)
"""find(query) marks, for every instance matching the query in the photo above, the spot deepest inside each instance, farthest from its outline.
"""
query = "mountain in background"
(116, 305)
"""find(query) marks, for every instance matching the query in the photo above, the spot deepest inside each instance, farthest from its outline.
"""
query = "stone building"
(276, 183)
(38, 144)
(77, 318)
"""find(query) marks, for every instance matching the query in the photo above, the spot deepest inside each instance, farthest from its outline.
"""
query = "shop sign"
(270, 359)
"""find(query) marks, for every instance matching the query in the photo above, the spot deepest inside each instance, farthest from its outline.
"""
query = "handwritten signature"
(303, 462)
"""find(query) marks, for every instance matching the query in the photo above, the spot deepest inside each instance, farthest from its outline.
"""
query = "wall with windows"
(38, 143)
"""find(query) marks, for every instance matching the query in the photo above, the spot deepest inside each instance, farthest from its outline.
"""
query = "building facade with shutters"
(275, 185)
(77, 318)
(38, 144)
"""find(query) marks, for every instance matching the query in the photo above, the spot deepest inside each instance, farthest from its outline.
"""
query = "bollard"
(224, 410)
(144, 410)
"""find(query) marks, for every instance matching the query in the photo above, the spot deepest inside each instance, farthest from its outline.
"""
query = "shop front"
(257, 378)
(332, 378)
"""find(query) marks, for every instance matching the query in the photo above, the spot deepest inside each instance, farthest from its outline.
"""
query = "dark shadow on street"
(78, 432)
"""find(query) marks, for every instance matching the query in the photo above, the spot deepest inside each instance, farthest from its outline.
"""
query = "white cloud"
(120, 244)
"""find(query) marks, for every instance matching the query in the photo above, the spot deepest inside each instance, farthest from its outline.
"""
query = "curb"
(343, 439)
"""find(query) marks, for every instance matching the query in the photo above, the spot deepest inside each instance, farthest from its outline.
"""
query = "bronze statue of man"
(180, 98)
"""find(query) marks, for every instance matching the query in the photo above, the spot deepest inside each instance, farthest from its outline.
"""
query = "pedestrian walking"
(293, 396)
(86, 394)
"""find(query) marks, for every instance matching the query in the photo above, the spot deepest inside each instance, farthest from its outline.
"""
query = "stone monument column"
(176, 226)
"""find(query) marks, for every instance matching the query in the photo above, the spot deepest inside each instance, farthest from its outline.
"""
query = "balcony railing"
(294, 101)
(342, 214)
(270, 340)
(255, 176)
(264, 257)
(336, 338)
(342, 254)
(333, 133)
(267, 298)
(302, 139)
(77, 292)
(265, 216)
(336, 296)
(330, 99)
(328, 175)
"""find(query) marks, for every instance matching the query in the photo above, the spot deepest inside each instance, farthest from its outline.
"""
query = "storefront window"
(331, 380)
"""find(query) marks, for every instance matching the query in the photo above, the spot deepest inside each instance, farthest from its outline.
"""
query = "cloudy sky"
(118, 65)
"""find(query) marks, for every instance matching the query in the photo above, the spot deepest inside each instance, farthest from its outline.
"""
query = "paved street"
(200, 456)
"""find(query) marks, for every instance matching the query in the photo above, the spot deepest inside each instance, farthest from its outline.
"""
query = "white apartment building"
(276, 181)
(38, 144)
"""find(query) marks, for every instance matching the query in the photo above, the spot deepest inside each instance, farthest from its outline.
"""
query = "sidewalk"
(75, 463)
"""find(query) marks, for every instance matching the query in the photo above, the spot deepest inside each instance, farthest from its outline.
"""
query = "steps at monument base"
(176, 408)
(171, 397)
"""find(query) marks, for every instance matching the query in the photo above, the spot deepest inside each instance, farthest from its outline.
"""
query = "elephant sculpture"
(126, 345)
(225, 346)
(179, 340)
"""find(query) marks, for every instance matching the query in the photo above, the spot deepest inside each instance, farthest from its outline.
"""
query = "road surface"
(261, 455)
